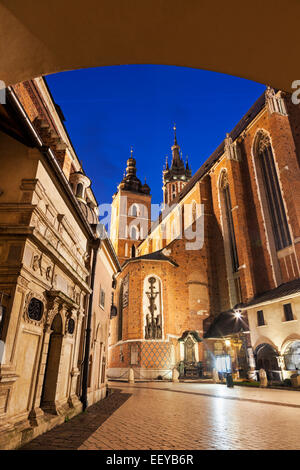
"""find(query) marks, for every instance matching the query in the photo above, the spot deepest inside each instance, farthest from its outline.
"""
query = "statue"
(153, 328)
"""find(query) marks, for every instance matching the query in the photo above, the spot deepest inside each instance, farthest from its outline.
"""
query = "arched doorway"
(49, 390)
(266, 358)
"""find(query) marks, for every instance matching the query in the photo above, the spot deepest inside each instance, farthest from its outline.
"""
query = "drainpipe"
(85, 374)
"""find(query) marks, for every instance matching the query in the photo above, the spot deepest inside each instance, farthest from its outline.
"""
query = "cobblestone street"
(183, 416)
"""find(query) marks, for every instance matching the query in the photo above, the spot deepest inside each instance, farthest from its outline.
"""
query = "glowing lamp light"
(227, 342)
(237, 314)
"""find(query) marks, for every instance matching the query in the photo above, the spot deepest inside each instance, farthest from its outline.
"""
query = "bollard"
(131, 376)
(229, 380)
(215, 375)
(175, 375)
(263, 378)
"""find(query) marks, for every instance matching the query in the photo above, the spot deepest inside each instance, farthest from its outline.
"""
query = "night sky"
(108, 109)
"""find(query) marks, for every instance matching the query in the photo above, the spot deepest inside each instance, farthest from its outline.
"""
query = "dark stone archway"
(258, 41)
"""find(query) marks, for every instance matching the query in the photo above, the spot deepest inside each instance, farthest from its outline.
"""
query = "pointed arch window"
(120, 319)
(134, 233)
(227, 207)
(133, 211)
(276, 209)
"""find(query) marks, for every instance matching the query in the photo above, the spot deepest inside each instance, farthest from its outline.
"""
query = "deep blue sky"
(108, 109)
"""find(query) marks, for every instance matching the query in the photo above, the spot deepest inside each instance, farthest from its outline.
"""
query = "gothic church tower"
(176, 176)
(131, 213)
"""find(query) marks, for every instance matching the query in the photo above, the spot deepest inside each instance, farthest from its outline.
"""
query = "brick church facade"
(218, 273)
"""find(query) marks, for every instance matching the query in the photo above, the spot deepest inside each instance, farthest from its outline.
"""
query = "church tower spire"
(175, 177)
(131, 212)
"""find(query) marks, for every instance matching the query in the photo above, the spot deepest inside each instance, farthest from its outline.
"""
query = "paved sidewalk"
(270, 396)
(166, 416)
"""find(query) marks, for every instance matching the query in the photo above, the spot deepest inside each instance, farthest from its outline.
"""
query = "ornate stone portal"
(153, 329)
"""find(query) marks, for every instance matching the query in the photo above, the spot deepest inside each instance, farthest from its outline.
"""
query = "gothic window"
(35, 309)
(288, 312)
(133, 211)
(260, 318)
(120, 318)
(134, 233)
(276, 210)
(133, 251)
(228, 220)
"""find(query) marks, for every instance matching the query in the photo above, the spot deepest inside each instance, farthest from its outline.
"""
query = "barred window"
(260, 318)
(288, 312)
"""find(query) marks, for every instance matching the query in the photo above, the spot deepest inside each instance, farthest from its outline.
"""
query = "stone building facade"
(48, 220)
(225, 248)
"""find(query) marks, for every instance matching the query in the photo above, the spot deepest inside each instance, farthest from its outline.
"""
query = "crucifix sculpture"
(153, 323)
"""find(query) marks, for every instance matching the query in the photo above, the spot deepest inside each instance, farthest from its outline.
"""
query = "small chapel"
(160, 314)
(214, 282)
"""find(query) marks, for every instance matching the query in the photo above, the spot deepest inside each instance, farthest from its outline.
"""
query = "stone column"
(73, 398)
(36, 415)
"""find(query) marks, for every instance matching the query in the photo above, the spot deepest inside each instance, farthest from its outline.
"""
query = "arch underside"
(37, 40)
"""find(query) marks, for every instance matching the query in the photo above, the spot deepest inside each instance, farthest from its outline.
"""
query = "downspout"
(85, 374)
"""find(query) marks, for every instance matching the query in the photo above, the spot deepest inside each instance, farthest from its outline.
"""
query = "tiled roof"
(284, 290)
(226, 324)
(242, 124)
(155, 256)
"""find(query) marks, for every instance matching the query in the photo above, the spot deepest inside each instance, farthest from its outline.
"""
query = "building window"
(288, 313)
(133, 251)
(134, 233)
(229, 229)
(102, 298)
(273, 194)
(260, 318)
(120, 319)
(133, 211)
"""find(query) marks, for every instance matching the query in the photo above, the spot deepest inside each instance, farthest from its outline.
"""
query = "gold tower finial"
(175, 138)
